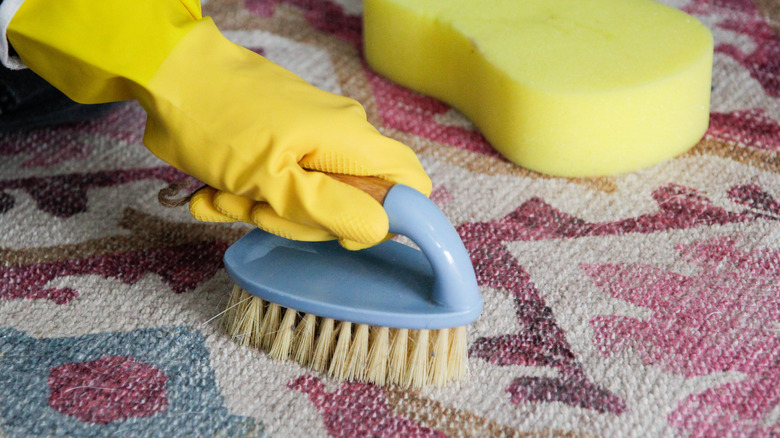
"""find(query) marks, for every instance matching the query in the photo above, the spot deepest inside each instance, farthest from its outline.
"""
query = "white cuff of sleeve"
(7, 11)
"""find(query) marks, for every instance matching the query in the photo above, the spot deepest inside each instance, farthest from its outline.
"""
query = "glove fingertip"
(370, 227)
(202, 207)
(357, 246)
(236, 207)
(352, 245)
(265, 218)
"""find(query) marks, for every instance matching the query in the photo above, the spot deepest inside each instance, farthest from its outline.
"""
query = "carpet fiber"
(639, 305)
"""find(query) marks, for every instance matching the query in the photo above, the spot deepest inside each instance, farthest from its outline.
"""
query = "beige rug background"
(639, 305)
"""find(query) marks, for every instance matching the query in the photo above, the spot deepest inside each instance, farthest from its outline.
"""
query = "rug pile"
(646, 304)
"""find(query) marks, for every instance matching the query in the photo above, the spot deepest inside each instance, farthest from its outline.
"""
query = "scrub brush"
(389, 314)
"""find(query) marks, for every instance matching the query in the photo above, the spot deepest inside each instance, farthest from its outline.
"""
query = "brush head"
(390, 314)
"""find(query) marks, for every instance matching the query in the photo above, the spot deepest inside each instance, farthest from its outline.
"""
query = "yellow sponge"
(564, 87)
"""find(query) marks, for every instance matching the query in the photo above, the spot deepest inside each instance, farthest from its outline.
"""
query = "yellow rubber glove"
(256, 133)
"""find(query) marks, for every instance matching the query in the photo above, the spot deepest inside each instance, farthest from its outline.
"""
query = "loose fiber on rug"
(645, 304)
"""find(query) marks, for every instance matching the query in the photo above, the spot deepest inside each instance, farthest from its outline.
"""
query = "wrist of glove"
(262, 138)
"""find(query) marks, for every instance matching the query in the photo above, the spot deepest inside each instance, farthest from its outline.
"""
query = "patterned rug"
(639, 305)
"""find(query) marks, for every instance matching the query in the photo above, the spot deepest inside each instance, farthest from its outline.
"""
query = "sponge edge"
(569, 88)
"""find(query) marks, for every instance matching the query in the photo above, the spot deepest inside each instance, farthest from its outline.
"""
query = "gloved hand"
(258, 135)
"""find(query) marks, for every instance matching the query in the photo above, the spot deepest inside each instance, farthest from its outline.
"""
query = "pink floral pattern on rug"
(358, 410)
(725, 317)
(107, 389)
(744, 18)
(752, 127)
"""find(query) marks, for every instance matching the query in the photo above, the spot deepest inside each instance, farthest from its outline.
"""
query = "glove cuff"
(192, 106)
(98, 51)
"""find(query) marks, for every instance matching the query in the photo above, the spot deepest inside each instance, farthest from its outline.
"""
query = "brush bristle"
(338, 363)
(358, 354)
(269, 326)
(417, 368)
(303, 340)
(457, 365)
(243, 316)
(347, 351)
(324, 349)
(399, 352)
(440, 357)
(378, 355)
(280, 349)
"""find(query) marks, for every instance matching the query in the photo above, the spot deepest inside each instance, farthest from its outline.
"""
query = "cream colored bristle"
(378, 355)
(438, 371)
(347, 351)
(241, 318)
(270, 325)
(358, 354)
(417, 368)
(324, 347)
(233, 312)
(399, 351)
(457, 365)
(303, 339)
(338, 363)
(284, 336)
(254, 315)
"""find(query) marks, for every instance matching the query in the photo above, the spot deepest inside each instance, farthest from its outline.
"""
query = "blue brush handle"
(387, 285)
(415, 216)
